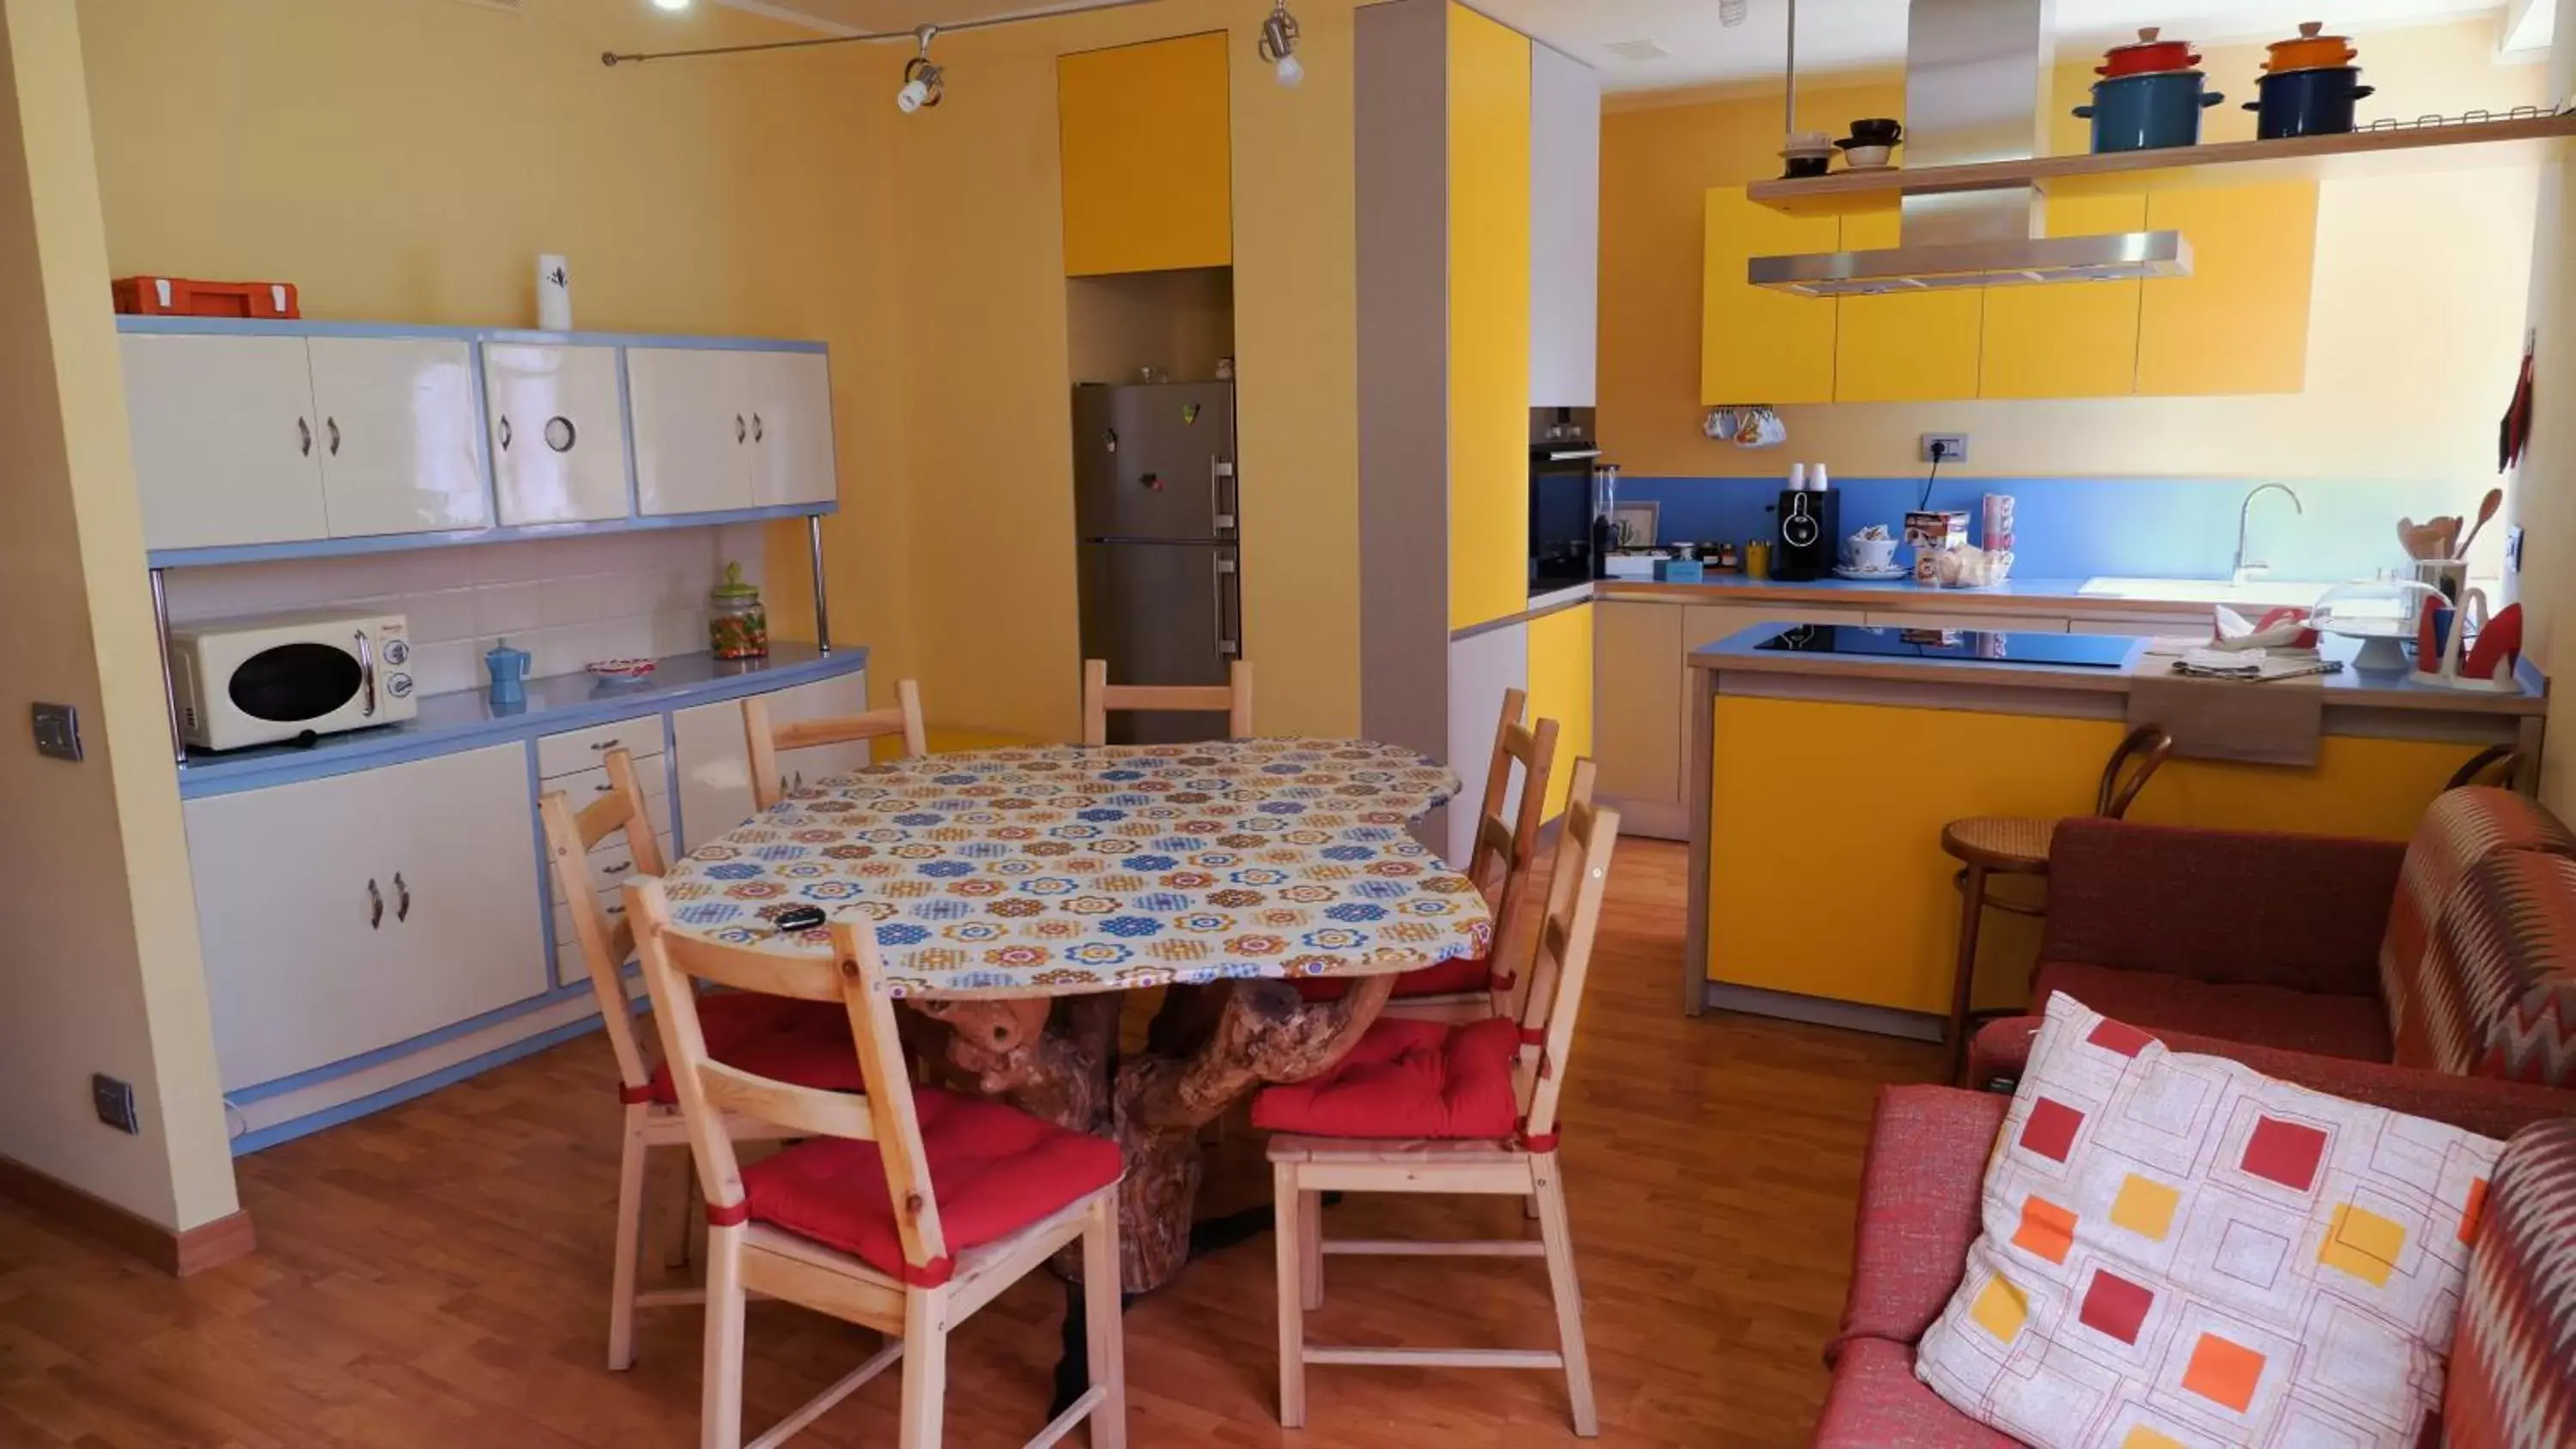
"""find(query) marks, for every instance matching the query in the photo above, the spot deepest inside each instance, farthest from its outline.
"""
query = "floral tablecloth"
(1057, 871)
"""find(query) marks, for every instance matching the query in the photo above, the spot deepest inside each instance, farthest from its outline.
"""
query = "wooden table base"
(1209, 1048)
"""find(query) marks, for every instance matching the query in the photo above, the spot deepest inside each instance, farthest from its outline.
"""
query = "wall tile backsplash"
(567, 601)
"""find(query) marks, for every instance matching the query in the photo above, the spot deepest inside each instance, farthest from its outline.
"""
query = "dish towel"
(2267, 722)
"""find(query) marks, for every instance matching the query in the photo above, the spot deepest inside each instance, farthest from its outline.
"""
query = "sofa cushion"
(2332, 1026)
(2513, 1369)
(2460, 829)
(1918, 1209)
(2497, 994)
(2178, 1249)
(1407, 1079)
(1876, 1402)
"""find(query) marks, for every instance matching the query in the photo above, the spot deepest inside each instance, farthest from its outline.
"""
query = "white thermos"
(554, 294)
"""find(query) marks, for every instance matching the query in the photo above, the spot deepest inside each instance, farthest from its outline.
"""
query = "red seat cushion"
(1876, 1402)
(1407, 1079)
(807, 1043)
(2272, 1016)
(1453, 977)
(993, 1169)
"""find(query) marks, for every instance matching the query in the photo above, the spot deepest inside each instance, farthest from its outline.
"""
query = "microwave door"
(302, 682)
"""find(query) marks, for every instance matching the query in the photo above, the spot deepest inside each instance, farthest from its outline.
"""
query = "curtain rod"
(613, 58)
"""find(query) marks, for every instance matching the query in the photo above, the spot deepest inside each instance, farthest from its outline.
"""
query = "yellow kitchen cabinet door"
(1489, 318)
(1560, 688)
(1757, 346)
(2069, 339)
(2239, 322)
(1148, 169)
(1903, 347)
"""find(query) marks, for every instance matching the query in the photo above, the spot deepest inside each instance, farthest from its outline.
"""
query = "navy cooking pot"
(2145, 112)
(2307, 102)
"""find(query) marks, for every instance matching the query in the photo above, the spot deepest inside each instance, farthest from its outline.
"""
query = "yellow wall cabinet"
(1489, 318)
(1758, 346)
(2239, 322)
(1914, 347)
(2066, 340)
(1148, 169)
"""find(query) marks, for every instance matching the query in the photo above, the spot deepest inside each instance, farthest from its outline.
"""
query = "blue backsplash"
(2087, 527)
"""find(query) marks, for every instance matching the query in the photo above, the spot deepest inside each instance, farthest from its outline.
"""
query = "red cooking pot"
(2149, 54)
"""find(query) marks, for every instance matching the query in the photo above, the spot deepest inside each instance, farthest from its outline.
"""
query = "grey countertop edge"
(2035, 595)
(461, 720)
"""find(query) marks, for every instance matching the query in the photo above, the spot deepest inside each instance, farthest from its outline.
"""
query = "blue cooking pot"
(2145, 112)
(2307, 102)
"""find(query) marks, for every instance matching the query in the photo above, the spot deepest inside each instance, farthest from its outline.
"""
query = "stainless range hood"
(1976, 89)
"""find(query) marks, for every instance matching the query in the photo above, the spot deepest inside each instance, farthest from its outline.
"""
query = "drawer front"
(1977, 623)
(2177, 625)
(610, 865)
(585, 786)
(569, 964)
(577, 750)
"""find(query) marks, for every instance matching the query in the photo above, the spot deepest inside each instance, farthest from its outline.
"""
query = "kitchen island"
(1820, 780)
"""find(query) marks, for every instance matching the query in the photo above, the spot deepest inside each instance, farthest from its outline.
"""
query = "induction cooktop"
(2083, 651)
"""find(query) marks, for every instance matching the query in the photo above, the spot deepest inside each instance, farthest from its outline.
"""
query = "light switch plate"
(58, 731)
(114, 1101)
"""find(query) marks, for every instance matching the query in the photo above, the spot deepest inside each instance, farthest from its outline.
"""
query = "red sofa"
(1919, 1212)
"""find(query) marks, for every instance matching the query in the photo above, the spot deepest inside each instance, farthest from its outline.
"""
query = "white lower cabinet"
(343, 915)
(715, 756)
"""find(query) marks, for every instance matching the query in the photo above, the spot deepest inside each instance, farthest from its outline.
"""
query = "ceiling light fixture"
(670, 4)
(1278, 44)
(923, 83)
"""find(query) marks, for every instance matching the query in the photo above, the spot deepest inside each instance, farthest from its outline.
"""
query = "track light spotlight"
(923, 82)
(670, 4)
(1278, 44)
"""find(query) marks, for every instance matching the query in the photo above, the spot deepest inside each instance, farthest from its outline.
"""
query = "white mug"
(1870, 555)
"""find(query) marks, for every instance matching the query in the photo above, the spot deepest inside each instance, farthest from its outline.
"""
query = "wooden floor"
(436, 1275)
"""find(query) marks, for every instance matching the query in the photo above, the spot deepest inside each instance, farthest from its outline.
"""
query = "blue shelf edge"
(173, 558)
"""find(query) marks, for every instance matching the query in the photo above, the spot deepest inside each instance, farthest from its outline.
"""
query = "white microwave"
(251, 681)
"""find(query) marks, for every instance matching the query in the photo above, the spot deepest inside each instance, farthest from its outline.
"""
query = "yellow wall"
(101, 970)
(2544, 491)
(2418, 301)
(1489, 318)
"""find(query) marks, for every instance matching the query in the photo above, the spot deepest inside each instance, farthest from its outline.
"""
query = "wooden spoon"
(2420, 540)
(2487, 507)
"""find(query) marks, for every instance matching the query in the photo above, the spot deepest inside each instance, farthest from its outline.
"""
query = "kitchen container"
(2307, 102)
(187, 297)
(2147, 56)
(1874, 131)
(737, 622)
(1865, 158)
(509, 670)
(2148, 112)
(2311, 51)
(1807, 153)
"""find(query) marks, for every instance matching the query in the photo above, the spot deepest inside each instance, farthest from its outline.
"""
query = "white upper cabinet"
(558, 440)
(400, 450)
(1565, 229)
(791, 428)
(693, 448)
(227, 447)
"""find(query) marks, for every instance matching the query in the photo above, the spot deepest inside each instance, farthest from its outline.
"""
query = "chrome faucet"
(2248, 569)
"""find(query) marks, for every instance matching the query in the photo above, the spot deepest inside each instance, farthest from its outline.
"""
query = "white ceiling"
(1832, 34)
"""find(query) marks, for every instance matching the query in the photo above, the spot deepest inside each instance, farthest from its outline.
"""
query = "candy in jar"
(737, 623)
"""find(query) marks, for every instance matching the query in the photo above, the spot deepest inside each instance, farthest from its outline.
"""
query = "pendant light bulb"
(1278, 44)
(923, 82)
(671, 4)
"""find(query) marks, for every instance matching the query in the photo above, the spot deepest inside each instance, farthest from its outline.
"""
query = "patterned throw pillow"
(2181, 1253)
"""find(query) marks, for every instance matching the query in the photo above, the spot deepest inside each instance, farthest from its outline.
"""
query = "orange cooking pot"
(2149, 55)
(2311, 51)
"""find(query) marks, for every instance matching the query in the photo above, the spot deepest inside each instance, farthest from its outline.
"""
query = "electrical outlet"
(115, 1102)
(58, 731)
(1945, 447)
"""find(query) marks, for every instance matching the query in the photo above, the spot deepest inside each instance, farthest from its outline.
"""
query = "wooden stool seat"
(2005, 844)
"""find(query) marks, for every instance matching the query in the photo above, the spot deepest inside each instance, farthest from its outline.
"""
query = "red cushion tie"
(634, 1096)
(1506, 980)
(1533, 1036)
(1545, 1142)
(928, 1275)
(729, 1215)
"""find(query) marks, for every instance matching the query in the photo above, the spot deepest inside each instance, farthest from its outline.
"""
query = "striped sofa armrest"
(2497, 993)
(2460, 830)
(2513, 1362)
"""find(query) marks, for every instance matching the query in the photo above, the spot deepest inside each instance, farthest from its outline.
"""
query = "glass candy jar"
(737, 622)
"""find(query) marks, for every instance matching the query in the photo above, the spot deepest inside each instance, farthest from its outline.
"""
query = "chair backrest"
(1506, 850)
(1562, 961)
(709, 1090)
(605, 939)
(768, 787)
(1233, 699)
(2495, 765)
(2130, 767)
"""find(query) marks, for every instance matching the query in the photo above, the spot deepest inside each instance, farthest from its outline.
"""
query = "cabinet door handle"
(331, 426)
(375, 905)
(606, 745)
(756, 433)
(621, 868)
(739, 431)
(402, 898)
(505, 434)
(303, 437)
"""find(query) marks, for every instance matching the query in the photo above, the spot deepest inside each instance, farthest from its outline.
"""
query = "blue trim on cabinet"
(308, 327)
(400, 1092)
(333, 1071)
(171, 558)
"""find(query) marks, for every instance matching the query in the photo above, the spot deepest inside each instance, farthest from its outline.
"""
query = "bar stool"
(1992, 845)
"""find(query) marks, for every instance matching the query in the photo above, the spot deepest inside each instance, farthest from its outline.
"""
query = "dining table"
(1020, 895)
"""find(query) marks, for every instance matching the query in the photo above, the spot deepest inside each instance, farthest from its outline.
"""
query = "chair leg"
(1290, 1203)
(689, 1216)
(1104, 1332)
(1963, 985)
(1310, 1249)
(1557, 1234)
(925, 1365)
(630, 1231)
(720, 1404)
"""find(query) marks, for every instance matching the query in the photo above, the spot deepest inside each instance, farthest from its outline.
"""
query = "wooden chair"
(782, 1036)
(1233, 699)
(2495, 765)
(1483, 1122)
(852, 1222)
(1470, 987)
(768, 787)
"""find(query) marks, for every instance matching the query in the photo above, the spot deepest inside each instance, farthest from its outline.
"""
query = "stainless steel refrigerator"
(1155, 509)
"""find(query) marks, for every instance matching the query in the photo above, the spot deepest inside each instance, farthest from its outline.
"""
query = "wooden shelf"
(2227, 163)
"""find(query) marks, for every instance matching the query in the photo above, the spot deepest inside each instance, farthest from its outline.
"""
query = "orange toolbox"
(184, 297)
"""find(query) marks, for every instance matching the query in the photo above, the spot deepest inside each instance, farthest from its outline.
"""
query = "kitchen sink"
(2253, 594)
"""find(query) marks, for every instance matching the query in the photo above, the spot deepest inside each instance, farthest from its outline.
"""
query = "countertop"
(2060, 597)
(467, 719)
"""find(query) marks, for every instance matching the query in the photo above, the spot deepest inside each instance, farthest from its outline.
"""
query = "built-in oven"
(1567, 515)
(251, 681)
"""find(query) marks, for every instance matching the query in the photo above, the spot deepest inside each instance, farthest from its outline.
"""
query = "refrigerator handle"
(1228, 642)
(1220, 473)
